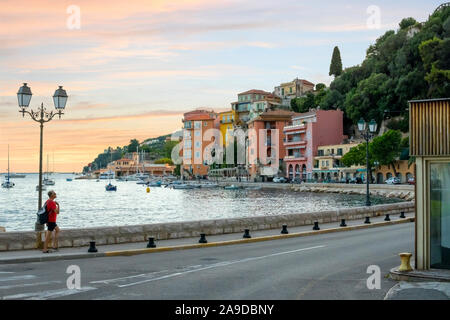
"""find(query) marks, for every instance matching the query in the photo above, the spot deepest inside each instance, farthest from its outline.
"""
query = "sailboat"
(47, 181)
(8, 184)
(110, 186)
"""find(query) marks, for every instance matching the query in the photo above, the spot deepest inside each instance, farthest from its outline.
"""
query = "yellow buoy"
(148, 190)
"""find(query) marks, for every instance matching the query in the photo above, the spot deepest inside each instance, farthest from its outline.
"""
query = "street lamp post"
(367, 133)
(41, 115)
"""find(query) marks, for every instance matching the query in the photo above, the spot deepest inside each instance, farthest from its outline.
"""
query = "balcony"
(300, 127)
(294, 143)
(295, 157)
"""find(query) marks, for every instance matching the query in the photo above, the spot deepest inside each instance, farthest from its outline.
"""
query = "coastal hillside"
(154, 149)
(412, 62)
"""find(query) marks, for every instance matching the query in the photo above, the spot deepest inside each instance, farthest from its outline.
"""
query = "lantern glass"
(60, 98)
(372, 126)
(24, 96)
(361, 125)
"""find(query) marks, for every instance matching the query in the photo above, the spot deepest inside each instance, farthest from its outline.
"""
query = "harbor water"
(85, 203)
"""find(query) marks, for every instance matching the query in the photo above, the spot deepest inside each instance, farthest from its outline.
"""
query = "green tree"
(407, 22)
(133, 145)
(168, 146)
(386, 149)
(320, 86)
(164, 160)
(356, 156)
(336, 63)
(303, 104)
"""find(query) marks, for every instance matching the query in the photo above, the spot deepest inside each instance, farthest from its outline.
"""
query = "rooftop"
(255, 91)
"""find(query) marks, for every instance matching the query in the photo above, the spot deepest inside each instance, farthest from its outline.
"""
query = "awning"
(326, 171)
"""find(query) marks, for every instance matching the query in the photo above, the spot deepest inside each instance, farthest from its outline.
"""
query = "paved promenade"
(20, 256)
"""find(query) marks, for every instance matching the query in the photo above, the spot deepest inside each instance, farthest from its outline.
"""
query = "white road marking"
(6, 272)
(28, 285)
(107, 281)
(51, 294)
(217, 265)
(25, 277)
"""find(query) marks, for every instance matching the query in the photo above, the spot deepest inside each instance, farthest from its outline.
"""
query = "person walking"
(53, 211)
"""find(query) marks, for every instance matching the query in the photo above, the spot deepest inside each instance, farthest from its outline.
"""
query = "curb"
(258, 239)
(416, 276)
(132, 252)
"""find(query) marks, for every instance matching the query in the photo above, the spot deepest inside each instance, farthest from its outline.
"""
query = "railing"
(296, 126)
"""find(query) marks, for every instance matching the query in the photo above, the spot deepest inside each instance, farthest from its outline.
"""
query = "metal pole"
(38, 226)
(368, 174)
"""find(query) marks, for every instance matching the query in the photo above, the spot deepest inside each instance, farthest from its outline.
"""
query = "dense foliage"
(410, 63)
(383, 150)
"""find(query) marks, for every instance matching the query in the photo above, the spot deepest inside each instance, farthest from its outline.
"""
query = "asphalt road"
(327, 266)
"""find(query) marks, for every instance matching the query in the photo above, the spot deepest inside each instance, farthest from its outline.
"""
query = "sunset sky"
(135, 66)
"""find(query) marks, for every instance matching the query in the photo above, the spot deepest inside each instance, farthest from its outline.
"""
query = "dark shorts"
(51, 226)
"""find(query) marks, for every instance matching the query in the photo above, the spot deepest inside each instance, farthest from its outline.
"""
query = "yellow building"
(226, 125)
(328, 166)
(403, 171)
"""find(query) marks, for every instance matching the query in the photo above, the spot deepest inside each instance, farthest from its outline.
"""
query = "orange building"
(196, 124)
(266, 131)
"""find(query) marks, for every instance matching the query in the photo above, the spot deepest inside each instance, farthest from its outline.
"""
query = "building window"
(320, 153)
(440, 215)
(205, 123)
(339, 151)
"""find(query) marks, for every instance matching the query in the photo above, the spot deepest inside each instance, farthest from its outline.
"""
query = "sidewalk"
(419, 291)
(24, 256)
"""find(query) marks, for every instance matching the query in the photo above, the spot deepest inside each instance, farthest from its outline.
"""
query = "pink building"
(304, 134)
(265, 142)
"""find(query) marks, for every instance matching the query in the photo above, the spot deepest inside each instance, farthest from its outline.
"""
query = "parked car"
(412, 180)
(279, 179)
(393, 180)
(356, 180)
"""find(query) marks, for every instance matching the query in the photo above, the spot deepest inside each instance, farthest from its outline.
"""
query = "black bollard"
(284, 230)
(342, 223)
(202, 238)
(246, 234)
(151, 243)
(402, 214)
(367, 220)
(92, 247)
(316, 225)
(387, 217)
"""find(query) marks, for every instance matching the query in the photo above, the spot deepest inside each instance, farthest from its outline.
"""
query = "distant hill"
(151, 148)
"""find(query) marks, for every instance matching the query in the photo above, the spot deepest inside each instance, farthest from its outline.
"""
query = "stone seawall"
(161, 231)
(402, 192)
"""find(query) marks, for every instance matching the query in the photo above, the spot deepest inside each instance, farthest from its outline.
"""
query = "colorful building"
(403, 171)
(195, 151)
(242, 107)
(304, 134)
(328, 166)
(266, 149)
(293, 89)
(130, 165)
(227, 119)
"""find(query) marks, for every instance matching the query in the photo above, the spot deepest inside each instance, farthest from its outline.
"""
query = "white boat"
(182, 186)
(106, 175)
(8, 184)
(15, 175)
(47, 180)
(209, 185)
